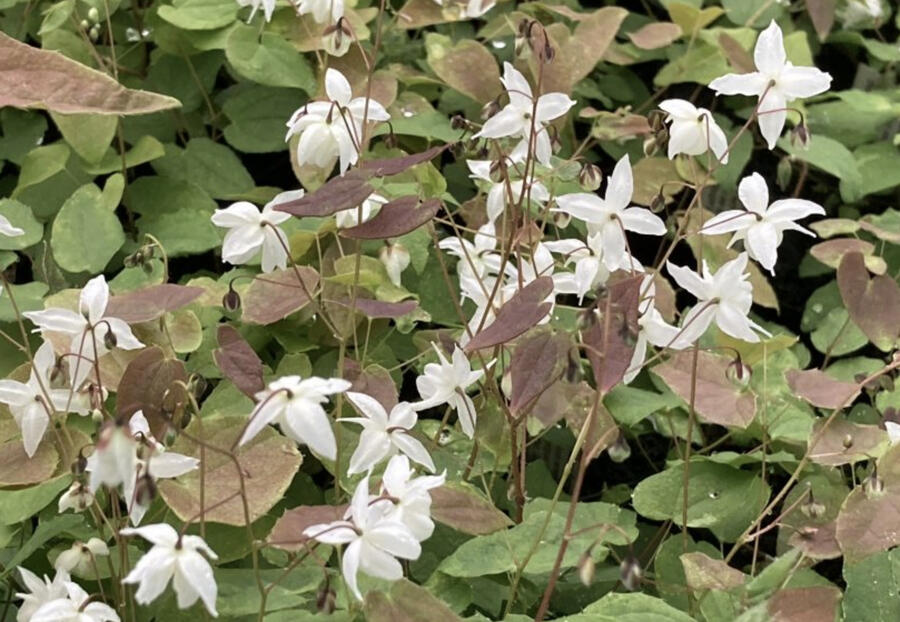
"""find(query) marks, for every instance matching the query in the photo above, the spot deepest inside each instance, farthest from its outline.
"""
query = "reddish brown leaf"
(717, 398)
(820, 389)
(831, 252)
(612, 335)
(376, 309)
(873, 304)
(149, 381)
(805, 604)
(17, 469)
(394, 219)
(274, 296)
(468, 67)
(393, 166)
(47, 80)
(287, 534)
(238, 362)
(739, 59)
(340, 193)
(150, 303)
(845, 442)
(603, 432)
(817, 541)
(525, 309)
(654, 36)
(536, 363)
(461, 507)
(374, 380)
(563, 400)
(821, 14)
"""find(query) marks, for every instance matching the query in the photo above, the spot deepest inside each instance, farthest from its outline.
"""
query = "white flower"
(76, 606)
(347, 218)
(384, 434)
(295, 404)
(77, 498)
(323, 11)
(590, 271)
(374, 540)
(610, 217)
(497, 194)
(7, 228)
(268, 7)
(395, 259)
(893, 430)
(412, 501)
(516, 117)
(27, 401)
(40, 591)
(761, 226)
(250, 231)
(725, 297)
(477, 8)
(693, 130)
(81, 558)
(475, 259)
(176, 557)
(333, 129)
(446, 382)
(776, 82)
(87, 329)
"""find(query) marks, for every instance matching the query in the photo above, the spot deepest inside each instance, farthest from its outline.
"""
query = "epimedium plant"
(449, 310)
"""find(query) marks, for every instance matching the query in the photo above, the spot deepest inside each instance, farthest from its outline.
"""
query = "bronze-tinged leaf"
(268, 463)
(656, 35)
(340, 193)
(603, 432)
(525, 309)
(374, 380)
(238, 362)
(739, 59)
(805, 604)
(873, 304)
(820, 389)
(420, 13)
(612, 335)
(379, 309)
(465, 65)
(394, 166)
(460, 506)
(821, 14)
(831, 252)
(150, 303)
(845, 442)
(717, 398)
(287, 534)
(274, 296)
(702, 572)
(563, 400)
(145, 386)
(17, 469)
(395, 218)
(817, 541)
(407, 602)
(537, 362)
(47, 80)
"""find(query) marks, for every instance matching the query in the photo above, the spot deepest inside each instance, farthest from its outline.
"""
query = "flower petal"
(507, 122)
(643, 221)
(94, 298)
(337, 87)
(621, 185)
(797, 82)
(740, 84)
(762, 244)
(769, 55)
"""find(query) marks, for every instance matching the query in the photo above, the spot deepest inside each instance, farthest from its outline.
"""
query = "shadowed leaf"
(805, 604)
(238, 362)
(394, 219)
(821, 14)
(525, 309)
(152, 302)
(705, 573)
(873, 304)
(144, 386)
(375, 309)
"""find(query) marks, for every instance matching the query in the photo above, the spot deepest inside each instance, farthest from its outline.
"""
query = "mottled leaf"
(845, 442)
(338, 194)
(287, 534)
(407, 602)
(465, 65)
(274, 296)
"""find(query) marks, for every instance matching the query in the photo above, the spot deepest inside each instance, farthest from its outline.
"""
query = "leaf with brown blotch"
(845, 442)
(655, 35)
(407, 602)
(525, 309)
(869, 520)
(831, 253)
(821, 14)
(379, 309)
(612, 335)
(395, 218)
(146, 386)
(17, 469)
(465, 65)
(820, 389)
(817, 541)
(374, 380)
(47, 80)
(537, 362)
(717, 398)
(287, 534)
(460, 506)
(238, 362)
(268, 463)
(150, 303)
(702, 572)
(873, 304)
(804, 604)
(393, 166)
(276, 295)
(340, 193)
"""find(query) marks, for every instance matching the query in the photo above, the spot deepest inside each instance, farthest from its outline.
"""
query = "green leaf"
(22, 130)
(56, 16)
(44, 532)
(269, 60)
(629, 405)
(741, 12)
(872, 588)
(184, 232)
(833, 158)
(838, 334)
(257, 115)
(702, 63)
(85, 235)
(19, 505)
(41, 164)
(28, 297)
(144, 150)
(89, 135)
(20, 216)
(720, 498)
(636, 607)
(200, 14)
(213, 167)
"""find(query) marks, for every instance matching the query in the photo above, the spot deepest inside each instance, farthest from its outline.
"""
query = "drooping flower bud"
(396, 259)
(620, 451)
(800, 135)
(590, 176)
(784, 172)
(231, 300)
(337, 38)
(630, 573)
(586, 569)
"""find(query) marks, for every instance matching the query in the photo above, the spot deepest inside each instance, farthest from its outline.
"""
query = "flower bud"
(84, 24)
(145, 490)
(620, 451)
(396, 259)
(325, 600)
(94, 14)
(458, 122)
(490, 109)
(94, 32)
(506, 383)
(630, 573)
(847, 441)
(561, 219)
(874, 484)
(586, 569)
(590, 177)
(231, 300)
(336, 39)
(79, 465)
(784, 172)
(800, 136)
(738, 372)
(812, 509)
(658, 204)
(110, 340)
